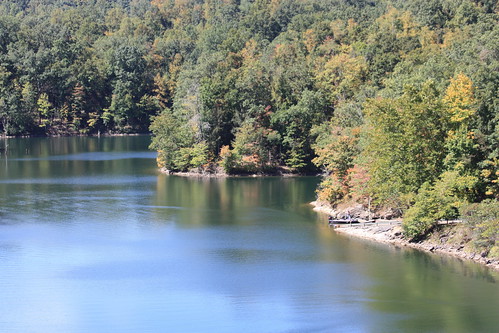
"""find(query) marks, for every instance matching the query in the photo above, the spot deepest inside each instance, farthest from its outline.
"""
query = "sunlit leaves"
(459, 99)
(45, 109)
(405, 141)
(336, 149)
(342, 76)
(175, 143)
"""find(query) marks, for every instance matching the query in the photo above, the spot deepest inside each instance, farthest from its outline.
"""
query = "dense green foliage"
(396, 101)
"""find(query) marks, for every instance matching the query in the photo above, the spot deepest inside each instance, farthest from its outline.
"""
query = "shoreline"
(92, 135)
(393, 235)
(221, 175)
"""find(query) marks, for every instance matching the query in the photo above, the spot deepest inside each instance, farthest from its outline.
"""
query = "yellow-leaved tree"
(459, 102)
(342, 75)
(459, 99)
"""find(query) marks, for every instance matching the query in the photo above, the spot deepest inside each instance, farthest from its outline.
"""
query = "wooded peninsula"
(395, 102)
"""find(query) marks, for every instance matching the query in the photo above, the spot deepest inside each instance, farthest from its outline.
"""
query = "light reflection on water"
(95, 156)
(103, 244)
(82, 181)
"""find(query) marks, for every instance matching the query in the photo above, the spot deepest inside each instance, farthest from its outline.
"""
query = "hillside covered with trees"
(395, 101)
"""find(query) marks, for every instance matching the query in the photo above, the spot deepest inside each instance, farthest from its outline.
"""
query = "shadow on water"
(425, 292)
(219, 201)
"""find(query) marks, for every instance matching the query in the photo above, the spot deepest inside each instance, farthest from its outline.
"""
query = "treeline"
(396, 101)
(78, 67)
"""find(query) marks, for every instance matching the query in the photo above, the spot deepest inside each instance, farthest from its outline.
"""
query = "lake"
(94, 239)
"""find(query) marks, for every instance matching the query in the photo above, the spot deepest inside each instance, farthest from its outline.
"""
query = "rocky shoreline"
(448, 239)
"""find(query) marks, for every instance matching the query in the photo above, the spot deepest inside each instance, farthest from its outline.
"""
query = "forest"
(395, 102)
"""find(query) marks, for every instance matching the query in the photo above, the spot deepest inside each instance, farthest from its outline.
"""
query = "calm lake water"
(94, 239)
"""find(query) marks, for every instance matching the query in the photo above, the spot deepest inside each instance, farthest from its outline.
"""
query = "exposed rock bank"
(450, 239)
(355, 210)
